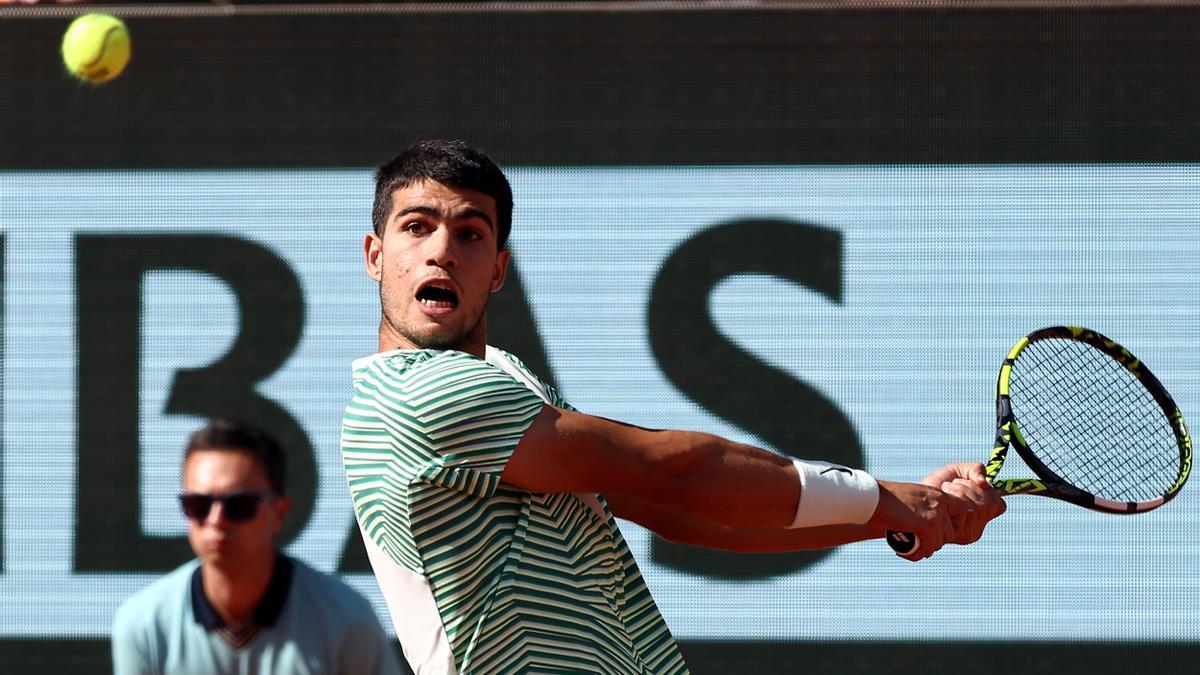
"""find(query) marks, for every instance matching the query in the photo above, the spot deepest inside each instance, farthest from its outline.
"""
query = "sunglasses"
(237, 507)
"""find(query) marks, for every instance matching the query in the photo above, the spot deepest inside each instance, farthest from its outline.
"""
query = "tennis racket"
(1092, 423)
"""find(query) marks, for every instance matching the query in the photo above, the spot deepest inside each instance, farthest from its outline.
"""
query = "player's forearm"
(742, 486)
(776, 540)
(674, 525)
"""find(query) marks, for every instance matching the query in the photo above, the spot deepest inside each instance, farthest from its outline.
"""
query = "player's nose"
(440, 249)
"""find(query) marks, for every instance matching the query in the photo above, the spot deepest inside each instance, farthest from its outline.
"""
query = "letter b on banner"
(109, 273)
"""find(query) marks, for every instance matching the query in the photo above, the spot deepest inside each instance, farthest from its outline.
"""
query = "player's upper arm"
(568, 451)
(697, 473)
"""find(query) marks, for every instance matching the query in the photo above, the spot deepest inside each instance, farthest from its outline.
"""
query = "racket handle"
(903, 543)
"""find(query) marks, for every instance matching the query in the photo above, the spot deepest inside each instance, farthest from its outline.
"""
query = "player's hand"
(925, 511)
(971, 471)
(968, 481)
(988, 504)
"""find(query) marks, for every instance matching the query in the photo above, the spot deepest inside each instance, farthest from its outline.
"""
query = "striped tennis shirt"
(480, 576)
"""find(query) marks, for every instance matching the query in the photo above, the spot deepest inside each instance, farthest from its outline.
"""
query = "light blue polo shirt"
(307, 623)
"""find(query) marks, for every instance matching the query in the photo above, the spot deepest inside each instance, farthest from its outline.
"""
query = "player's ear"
(500, 271)
(373, 255)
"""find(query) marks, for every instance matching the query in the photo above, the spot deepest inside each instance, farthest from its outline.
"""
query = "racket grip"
(903, 543)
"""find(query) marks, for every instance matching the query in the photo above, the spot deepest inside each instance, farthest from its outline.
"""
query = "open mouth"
(437, 296)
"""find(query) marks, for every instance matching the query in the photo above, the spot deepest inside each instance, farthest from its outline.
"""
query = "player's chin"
(436, 336)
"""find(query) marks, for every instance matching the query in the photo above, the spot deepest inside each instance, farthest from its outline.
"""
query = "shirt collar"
(363, 362)
(268, 609)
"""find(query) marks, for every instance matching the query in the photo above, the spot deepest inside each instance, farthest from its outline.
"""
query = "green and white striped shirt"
(479, 576)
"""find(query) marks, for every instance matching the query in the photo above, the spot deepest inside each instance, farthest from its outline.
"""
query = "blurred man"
(487, 502)
(242, 606)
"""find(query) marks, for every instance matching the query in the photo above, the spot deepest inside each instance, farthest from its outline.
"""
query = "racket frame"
(1048, 483)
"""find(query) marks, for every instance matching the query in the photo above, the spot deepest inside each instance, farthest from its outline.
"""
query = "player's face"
(219, 538)
(437, 263)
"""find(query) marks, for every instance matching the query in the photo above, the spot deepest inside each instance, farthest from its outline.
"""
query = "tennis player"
(487, 503)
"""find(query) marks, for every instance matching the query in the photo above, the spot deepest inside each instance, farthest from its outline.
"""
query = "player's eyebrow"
(472, 212)
(423, 210)
(462, 214)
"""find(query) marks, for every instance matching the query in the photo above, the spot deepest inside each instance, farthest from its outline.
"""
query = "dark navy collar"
(269, 608)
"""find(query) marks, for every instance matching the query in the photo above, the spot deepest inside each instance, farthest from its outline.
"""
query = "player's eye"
(414, 227)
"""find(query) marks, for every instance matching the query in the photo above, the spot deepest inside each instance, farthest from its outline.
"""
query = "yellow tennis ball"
(96, 47)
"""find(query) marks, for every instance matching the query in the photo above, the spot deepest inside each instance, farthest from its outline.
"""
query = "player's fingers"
(936, 478)
(948, 472)
(928, 535)
(933, 541)
(977, 474)
(974, 519)
(972, 471)
(950, 484)
(960, 487)
(955, 498)
(992, 506)
(929, 545)
(986, 497)
(1001, 505)
(941, 530)
(989, 504)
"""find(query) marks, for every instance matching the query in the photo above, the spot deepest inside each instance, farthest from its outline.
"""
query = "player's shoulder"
(495, 353)
(516, 368)
(158, 604)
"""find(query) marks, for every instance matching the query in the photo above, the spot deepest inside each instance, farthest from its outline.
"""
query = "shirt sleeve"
(457, 420)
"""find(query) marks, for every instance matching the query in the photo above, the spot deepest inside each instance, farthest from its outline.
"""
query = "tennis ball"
(96, 47)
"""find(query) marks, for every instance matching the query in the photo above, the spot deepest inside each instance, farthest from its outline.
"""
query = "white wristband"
(831, 494)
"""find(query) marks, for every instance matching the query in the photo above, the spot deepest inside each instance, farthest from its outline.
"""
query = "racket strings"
(1092, 422)
(1110, 468)
(1128, 418)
